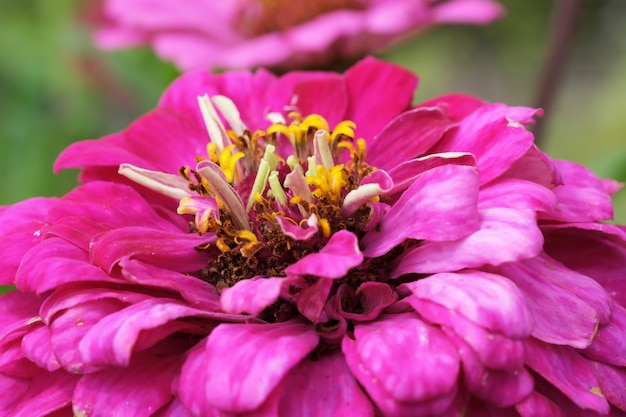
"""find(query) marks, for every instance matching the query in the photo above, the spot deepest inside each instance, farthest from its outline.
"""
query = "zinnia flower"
(314, 245)
(277, 33)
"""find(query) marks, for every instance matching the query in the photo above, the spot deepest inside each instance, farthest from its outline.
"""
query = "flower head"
(312, 244)
(277, 33)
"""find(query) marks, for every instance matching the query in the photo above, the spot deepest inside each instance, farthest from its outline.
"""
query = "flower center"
(267, 16)
(276, 195)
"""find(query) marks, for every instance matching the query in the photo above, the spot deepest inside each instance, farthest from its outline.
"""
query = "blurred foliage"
(55, 88)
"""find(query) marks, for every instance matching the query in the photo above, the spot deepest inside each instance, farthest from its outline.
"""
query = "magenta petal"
(20, 229)
(55, 262)
(251, 296)
(323, 388)
(242, 364)
(612, 381)
(45, 393)
(390, 84)
(312, 299)
(582, 197)
(373, 298)
(495, 135)
(518, 194)
(500, 388)
(135, 390)
(555, 294)
(37, 346)
(68, 329)
(569, 372)
(412, 134)
(609, 344)
(295, 231)
(431, 361)
(439, 205)
(169, 250)
(334, 260)
(424, 385)
(406, 172)
(505, 235)
(536, 405)
(114, 339)
(495, 350)
(486, 299)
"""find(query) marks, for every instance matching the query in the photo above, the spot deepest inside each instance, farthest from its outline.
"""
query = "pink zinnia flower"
(277, 33)
(312, 244)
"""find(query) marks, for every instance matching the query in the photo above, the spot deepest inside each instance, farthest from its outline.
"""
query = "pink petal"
(519, 194)
(138, 389)
(495, 350)
(405, 173)
(333, 261)
(425, 384)
(251, 296)
(608, 345)
(115, 338)
(486, 299)
(311, 300)
(494, 134)
(176, 251)
(20, 230)
(468, 11)
(45, 393)
(569, 372)
(55, 262)
(296, 232)
(536, 405)
(373, 298)
(604, 260)
(323, 388)
(430, 360)
(582, 197)
(612, 382)
(440, 204)
(500, 388)
(456, 106)
(197, 293)
(407, 136)
(242, 364)
(389, 83)
(37, 347)
(177, 143)
(561, 315)
(489, 245)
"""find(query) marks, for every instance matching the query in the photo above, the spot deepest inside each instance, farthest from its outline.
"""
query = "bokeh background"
(56, 88)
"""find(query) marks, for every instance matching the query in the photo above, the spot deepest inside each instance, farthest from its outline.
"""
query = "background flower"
(284, 34)
(440, 300)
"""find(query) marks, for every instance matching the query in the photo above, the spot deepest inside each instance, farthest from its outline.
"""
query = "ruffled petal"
(323, 388)
(389, 83)
(440, 204)
(242, 364)
(407, 136)
(333, 261)
(138, 389)
(505, 235)
(569, 372)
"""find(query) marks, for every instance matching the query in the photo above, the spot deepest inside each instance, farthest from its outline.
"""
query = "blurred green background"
(55, 88)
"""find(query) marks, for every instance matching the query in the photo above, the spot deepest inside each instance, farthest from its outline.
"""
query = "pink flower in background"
(312, 244)
(276, 33)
